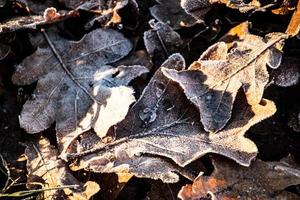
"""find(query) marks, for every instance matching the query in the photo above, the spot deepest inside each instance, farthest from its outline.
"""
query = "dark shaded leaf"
(288, 73)
(170, 12)
(161, 41)
(262, 180)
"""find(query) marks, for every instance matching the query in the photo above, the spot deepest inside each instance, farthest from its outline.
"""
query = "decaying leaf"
(213, 81)
(161, 41)
(263, 180)
(170, 12)
(198, 8)
(44, 167)
(31, 22)
(163, 123)
(85, 95)
(288, 73)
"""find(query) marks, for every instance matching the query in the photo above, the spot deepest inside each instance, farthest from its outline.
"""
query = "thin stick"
(73, 78)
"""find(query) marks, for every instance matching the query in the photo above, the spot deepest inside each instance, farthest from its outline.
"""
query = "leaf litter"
(88, 88)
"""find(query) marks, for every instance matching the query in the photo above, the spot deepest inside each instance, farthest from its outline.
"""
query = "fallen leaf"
(294, 25)
(106, 10)
(171, 13)
(33, 21)
(213, 81)
(163, 124)
(285, 8)
(199, 8)
(44, 167)
(161, 41)
(84, 96)
(262, 180)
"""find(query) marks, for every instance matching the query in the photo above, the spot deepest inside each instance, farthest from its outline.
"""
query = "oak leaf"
(263, 180)
(164, 124)
(213, 81)
(46, 168)
(84, 96)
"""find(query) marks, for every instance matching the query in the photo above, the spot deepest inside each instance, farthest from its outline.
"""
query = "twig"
(73, 78)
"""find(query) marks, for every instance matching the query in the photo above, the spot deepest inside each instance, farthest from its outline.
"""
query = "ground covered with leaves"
(150, 99)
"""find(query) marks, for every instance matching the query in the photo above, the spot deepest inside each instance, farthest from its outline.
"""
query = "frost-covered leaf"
(288, 73)
(44, 167)
(161, 41)
(163, 123)
(31, 22)
(198, 8)
(262, 180)
(213, 81)
(106, 10)
(170, 12)
(86, 95)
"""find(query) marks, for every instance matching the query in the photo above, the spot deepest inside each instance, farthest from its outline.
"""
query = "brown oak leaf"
(84, 96)
(46, 168)
(221, 69)
(163, 123)
(229, 181)
(171, 13)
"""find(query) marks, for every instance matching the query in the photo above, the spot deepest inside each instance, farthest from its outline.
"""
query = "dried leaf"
(294, 25)
(161, 41)
(285, 8)
(107, 10)
(84, 96)
(198, 8)
(163, 123)
(171, 13)
(46, 168)
(31, 22)
(213, 81)
(263, 180)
